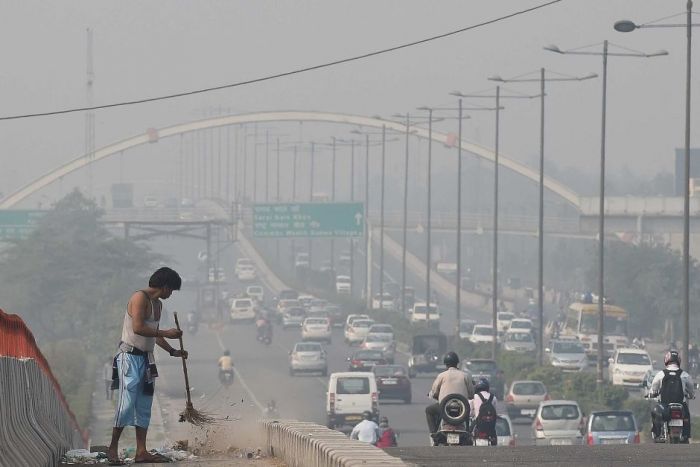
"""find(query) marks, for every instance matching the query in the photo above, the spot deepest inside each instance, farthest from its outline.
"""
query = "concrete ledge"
(305, 444)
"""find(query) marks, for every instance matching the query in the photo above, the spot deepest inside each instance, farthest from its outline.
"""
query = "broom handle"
(184, 364)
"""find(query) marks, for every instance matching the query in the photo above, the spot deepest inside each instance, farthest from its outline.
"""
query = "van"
(349, 395)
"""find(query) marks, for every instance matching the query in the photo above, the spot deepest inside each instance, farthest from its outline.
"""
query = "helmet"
(227, 352)
(367, 415)
(383, 421)
(482, 385)
(451, 359)
(672, 357)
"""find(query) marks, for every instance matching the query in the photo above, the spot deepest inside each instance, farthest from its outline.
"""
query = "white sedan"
(316, 329)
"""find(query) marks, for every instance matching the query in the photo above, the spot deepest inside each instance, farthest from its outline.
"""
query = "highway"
(262, 371)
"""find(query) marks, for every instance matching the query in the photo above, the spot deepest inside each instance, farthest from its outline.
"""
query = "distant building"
(678, 178)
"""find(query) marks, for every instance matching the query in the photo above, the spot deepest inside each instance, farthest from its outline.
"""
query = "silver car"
(382, 342)
(308, 357)
(567, 355)
(519, 341)
(558, 423)
(293, 317)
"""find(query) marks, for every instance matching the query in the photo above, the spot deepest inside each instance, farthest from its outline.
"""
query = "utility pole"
(89, 115)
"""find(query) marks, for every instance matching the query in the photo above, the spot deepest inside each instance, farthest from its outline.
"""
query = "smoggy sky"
(145, 49)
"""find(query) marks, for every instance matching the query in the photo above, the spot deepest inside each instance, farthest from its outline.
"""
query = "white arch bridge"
(267, 117)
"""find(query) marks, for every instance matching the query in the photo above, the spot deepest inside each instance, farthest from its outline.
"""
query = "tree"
(71, 278)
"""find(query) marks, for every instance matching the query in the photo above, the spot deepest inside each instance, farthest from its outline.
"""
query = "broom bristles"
(195, 417)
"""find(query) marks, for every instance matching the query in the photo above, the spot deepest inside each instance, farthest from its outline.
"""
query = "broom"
(190, 414)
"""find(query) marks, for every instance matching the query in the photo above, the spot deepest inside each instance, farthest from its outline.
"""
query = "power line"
(284, 74)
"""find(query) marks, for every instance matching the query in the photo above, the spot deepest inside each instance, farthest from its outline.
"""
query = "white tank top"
(146, 344)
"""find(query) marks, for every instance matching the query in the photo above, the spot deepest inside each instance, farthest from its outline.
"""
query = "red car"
(393, 382)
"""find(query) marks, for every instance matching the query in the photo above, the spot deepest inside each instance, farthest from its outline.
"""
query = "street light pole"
(333, 199)
(311, 194)
(458, 288)
(352, 198)
(601, 221)
(368, 265)
(405, 219)
(428, 223)
(381, 220)
(267, 166)
(540, 234)
(629, 26)
(686, 193)
(601, 224)
(494, 284)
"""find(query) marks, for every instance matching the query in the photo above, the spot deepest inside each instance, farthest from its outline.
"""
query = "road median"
(305, 444)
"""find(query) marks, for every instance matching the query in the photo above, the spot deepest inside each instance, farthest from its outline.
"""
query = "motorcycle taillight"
(676, 414)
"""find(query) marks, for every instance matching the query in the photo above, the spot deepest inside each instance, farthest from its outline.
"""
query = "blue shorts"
(133, 406)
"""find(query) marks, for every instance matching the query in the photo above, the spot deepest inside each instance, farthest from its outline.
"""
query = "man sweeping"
(134, 365)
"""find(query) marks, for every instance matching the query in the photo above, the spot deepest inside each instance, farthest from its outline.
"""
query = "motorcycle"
(674, 421)
(481, 438)
(265, 334)
(226, 377)
(454, 430)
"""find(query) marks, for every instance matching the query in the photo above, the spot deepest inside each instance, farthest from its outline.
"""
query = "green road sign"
(17, 224)
(309, 220)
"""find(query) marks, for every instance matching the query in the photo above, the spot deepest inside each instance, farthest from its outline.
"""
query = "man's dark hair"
(165, 277)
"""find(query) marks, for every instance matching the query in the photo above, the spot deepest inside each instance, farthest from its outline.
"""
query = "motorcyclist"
(482, 396)
(387, 435)
(271, 409)
(661, 388)
(225, 365)
(367, 430)
(192, 320)
(263, 325)
(451, 381)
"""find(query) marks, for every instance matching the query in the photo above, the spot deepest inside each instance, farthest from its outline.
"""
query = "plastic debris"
(83, 456)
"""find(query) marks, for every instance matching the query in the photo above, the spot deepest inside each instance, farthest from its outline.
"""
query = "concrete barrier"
(35, 428)
(305, 444)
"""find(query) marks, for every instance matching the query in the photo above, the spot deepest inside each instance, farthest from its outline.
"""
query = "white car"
(150, 202)
(503, 319)
(308, 357)
(558, 423)
(521, 324)
(504, 431)
(381, 330)
(383, 302)
(246, 273)
(466, 327)
(349, 395)
(569, 355)
(628, 367)
(255, 292)
(358, 330)
(519, 341)
(217, 275)
(305, 300)
(352, 317)
(482, 334)
(241, 262)
(316, 329)
(423, 313)
(301, 260)
(343, 285)
(242, 309)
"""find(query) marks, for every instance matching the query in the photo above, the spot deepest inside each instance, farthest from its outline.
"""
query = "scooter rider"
(484, 416)
(670, 385)
(225, 365)
(367, 430)
(263, 325)
(451, 381)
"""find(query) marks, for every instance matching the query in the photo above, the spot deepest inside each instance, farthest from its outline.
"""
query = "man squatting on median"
(134, 368)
